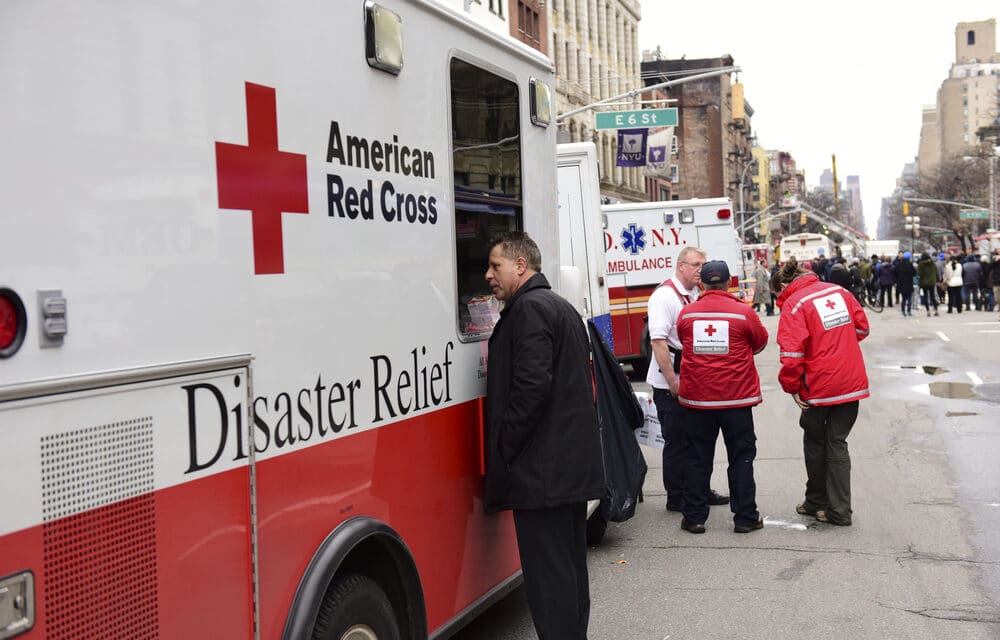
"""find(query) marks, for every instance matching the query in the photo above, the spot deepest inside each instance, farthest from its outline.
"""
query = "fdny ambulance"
(641, 242)
(243, 314)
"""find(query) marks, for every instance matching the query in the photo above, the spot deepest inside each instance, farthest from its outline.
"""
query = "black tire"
(639, 368)
(640, 365)
(355, 608)
(874, 304)
(596, 527)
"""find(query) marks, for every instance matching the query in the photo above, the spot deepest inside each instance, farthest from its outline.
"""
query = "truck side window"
(486, 147)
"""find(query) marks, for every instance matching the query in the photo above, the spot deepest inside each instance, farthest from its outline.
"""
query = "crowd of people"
(959, 282)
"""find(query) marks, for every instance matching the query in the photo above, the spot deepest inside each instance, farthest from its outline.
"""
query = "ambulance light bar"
(383, 38)
(687, 216)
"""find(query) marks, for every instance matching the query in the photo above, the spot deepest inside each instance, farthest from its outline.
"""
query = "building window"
(970, 38)
(529, 22)
(496, 7)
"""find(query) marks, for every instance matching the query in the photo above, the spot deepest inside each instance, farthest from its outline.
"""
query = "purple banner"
(631, 148)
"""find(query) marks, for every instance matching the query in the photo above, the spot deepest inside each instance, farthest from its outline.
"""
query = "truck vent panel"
(99, 532)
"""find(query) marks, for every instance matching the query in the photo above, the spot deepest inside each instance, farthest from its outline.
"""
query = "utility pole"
(836, 188)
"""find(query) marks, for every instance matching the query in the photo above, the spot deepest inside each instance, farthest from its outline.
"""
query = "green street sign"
(973, 214)
(641, 119)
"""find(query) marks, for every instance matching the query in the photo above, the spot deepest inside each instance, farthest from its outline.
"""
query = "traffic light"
(906, 208)
(802, 219)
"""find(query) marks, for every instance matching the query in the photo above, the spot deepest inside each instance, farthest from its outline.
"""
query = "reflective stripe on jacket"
(720, 335)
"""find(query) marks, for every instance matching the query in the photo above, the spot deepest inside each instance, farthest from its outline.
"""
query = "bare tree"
(960, 178)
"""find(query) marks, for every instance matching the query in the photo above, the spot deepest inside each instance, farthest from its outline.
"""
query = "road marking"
(785, 525)
(943, 337)
(976, 380)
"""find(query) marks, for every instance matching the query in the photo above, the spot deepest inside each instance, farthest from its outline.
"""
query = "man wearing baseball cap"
(719, 386)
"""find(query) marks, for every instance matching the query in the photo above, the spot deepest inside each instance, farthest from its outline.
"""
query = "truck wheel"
(596, 527)
(639, 367)
(355, 608)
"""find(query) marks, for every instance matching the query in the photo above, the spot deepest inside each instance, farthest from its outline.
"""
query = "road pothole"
(958, 390)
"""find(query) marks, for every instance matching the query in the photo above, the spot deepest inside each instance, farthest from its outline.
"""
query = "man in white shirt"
(663, 308)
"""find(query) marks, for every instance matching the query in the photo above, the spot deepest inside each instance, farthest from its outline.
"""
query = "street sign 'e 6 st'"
(973, 214)
(643, 118)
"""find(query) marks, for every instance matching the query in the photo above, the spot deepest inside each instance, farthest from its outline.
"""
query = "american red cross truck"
(243, 313)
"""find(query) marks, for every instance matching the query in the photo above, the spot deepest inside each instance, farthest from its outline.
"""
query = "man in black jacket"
(543, 449)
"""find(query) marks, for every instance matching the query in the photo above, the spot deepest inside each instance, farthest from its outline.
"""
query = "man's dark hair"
(518, 244)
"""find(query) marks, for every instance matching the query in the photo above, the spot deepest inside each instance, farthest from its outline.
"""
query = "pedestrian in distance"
(823, 369)
(995, 278)
(543, 449)
(664, 307)
(839, 273)
(927, 277)
(886, 281)
(972, 273)
(986, 298)
(953, 280)
(762, 288)
(905, 273)
(719, 386)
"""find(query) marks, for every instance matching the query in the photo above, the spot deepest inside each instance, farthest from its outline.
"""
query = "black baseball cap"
(714, 272)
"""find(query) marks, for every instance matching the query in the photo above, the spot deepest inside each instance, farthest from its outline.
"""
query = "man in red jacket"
(719, 385)
(822, 367)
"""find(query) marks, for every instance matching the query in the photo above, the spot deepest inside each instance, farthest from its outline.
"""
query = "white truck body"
(581, 232)
(882, 248)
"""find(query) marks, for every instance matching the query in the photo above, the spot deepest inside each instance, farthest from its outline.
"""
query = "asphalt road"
(922, 560)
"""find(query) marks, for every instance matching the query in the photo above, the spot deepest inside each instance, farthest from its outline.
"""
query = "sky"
(849, 78)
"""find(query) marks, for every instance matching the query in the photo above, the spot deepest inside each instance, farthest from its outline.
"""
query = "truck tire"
(355, 608)
(640, 365)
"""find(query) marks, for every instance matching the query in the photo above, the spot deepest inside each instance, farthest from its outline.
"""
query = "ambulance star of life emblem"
(261, 179)
(633, 238)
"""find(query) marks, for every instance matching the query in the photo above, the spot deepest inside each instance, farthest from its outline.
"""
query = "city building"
(595, 47)
(714, 133)
(969, 98)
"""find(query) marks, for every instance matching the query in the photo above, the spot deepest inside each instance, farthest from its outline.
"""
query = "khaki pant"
(828, 461)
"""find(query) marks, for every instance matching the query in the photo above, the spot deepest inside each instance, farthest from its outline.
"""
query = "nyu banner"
(631, 148)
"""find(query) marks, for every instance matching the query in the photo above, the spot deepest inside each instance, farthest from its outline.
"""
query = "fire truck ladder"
(852, 235)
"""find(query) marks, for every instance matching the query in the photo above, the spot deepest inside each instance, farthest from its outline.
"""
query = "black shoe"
(716, 499)
(747, 528)
(691, 527)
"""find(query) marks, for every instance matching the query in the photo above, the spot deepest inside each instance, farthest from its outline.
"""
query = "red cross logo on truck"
(260, 178)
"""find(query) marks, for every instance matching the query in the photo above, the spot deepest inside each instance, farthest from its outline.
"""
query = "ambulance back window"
(486, 147)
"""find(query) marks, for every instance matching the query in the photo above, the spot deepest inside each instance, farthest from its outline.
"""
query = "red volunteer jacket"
(720, 336)
(818, 334)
